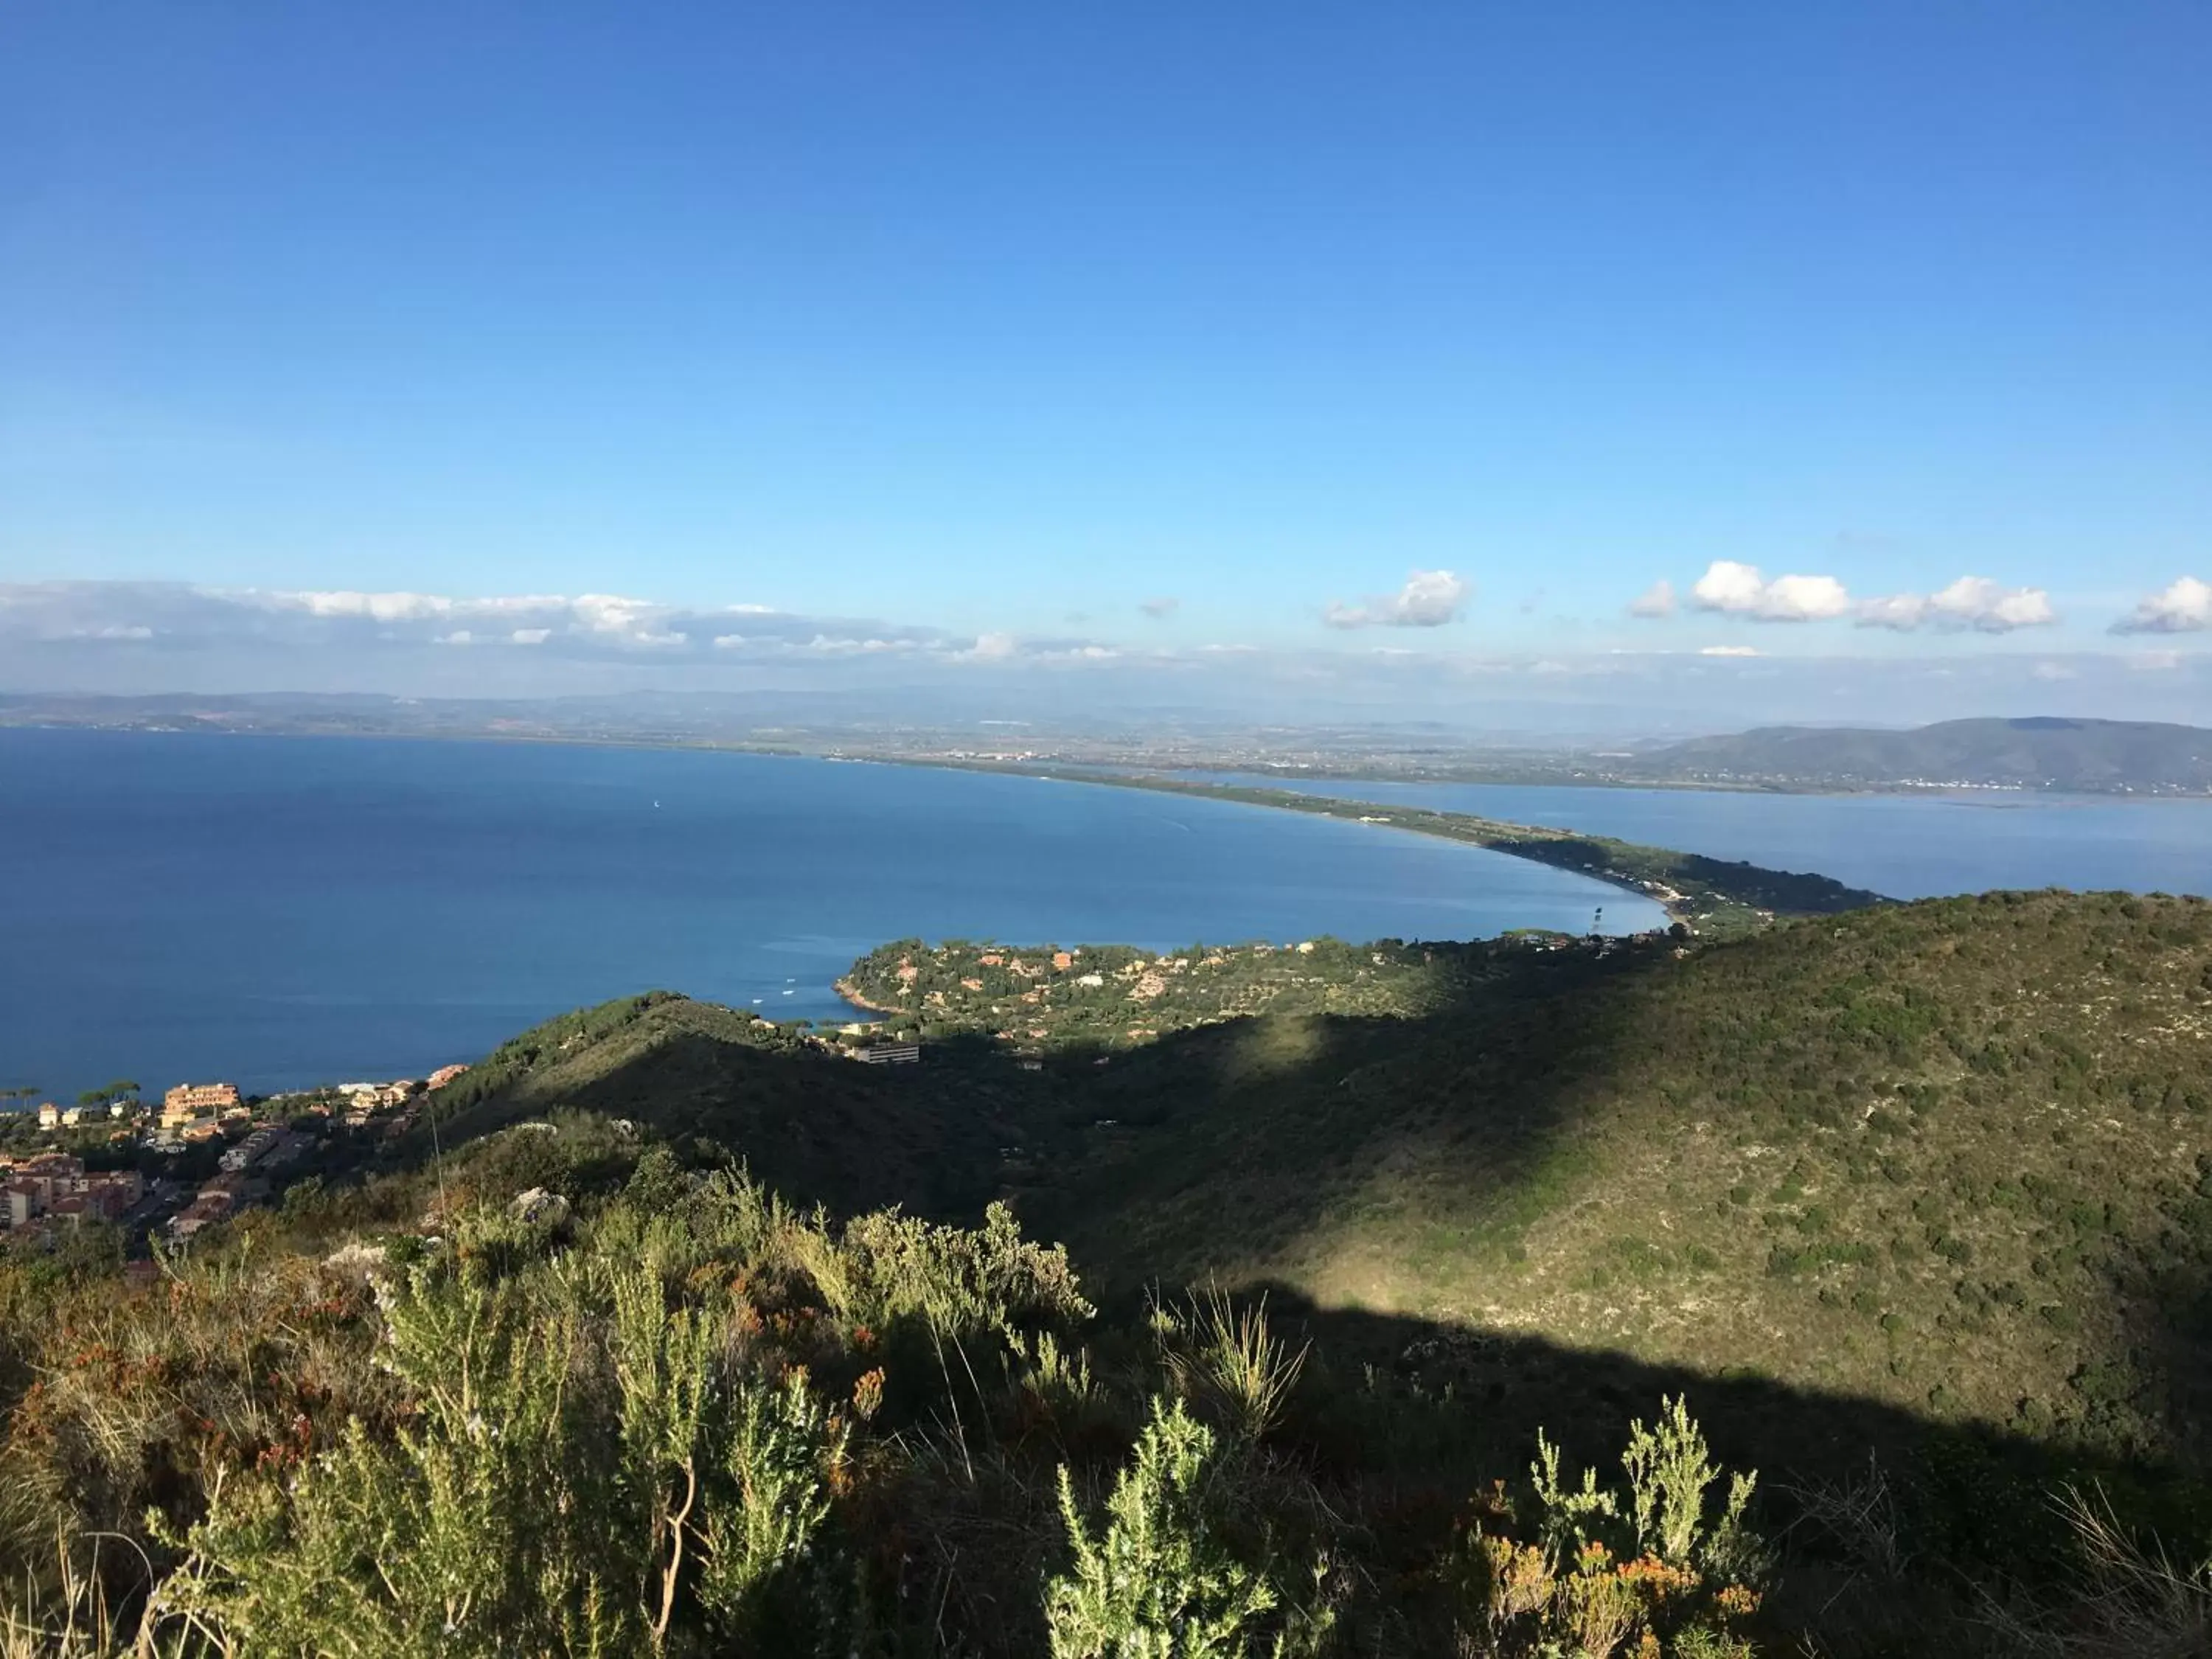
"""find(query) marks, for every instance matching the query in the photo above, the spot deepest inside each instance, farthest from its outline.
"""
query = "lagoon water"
(1908, 847)
(282, 912)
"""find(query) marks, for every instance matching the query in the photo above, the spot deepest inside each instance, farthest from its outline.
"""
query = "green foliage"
(1570, 1517)
(1937, 1168)
(780, 1467)
(1159, 1581)
(888, 1266)
(1668, 1475)
(1226, 1356)
(479, 1527)
(1657, 1568)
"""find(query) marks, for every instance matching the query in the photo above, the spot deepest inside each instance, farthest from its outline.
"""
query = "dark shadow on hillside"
(1422, 1418)
(1257, 1133)
(818, 1128)
(1240, 1140)
(1503, 1387)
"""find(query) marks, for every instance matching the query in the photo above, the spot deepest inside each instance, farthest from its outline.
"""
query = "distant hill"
(2040, 752)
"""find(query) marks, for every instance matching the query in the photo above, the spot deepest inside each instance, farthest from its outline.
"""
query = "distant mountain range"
(2120, 757)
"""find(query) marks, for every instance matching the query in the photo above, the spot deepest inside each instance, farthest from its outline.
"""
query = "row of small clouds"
(598, 626)
(1971, 603)
(606, 626)
(1430, 599)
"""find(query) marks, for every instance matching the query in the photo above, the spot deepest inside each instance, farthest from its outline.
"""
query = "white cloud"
(459, 636)
(602, 625)
(1656, 600)
(1430, 599)
(1160, 610)
(991, 647)
(610, 613)
(1971, 602)
(846, 647)
(377, 607)
(2152, 662)
(2053, 670)
(399, 607)
(1902, 612)
(1739, 590)
(1730, 650)
(2183, 608)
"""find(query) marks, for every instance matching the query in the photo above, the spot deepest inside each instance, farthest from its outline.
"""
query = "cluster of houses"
(51, 1117)
(247, 1169)
(53, 1188)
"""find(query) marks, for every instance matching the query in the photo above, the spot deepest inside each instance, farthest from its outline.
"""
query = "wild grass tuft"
(1225, 1355)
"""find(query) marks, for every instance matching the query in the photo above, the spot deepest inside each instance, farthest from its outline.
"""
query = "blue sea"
(282, 912)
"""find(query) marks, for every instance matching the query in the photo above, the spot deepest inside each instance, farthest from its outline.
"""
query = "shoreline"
(1957, 794)
(1679, 883)
(842, 985)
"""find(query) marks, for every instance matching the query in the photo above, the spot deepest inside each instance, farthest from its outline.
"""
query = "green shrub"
(780, 1466)
(1159, 1581)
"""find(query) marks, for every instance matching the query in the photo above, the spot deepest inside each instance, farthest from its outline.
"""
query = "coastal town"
(205, 1152)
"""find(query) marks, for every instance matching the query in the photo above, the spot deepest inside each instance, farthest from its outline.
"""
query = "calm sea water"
(1905, 846)
(282, 912)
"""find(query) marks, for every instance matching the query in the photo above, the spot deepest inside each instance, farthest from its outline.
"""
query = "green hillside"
(2045, 752)
(1953, 1155)
(1369, 1250)
(830, 1131)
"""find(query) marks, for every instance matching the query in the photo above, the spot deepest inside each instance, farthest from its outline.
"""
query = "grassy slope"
(821, 1128)
(1955, 1157)
(1951, 1155)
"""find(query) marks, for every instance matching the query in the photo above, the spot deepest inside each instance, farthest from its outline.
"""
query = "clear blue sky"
(1003, 319)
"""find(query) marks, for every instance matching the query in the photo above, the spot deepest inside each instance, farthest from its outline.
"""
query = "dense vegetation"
(1913, 1204)
(676, 1415)
(1955, 1157)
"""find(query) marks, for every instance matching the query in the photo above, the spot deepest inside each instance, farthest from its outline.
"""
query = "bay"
(280, 912)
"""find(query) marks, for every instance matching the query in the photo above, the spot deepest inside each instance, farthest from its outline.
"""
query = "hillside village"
(207, 1151)
(1036, 999)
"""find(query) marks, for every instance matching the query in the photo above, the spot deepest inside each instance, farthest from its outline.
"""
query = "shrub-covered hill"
(569, 1382)
(1956, 1156)
(824, 1129)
